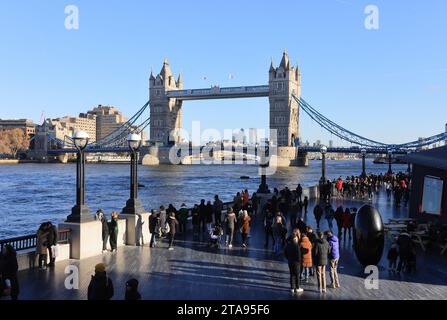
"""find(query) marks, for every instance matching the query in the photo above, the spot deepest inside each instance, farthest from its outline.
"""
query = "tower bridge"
(166, 97)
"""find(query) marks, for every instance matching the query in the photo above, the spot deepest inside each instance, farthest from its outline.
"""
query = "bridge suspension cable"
(356, 139)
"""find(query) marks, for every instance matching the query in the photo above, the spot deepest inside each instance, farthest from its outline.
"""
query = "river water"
(33, 193)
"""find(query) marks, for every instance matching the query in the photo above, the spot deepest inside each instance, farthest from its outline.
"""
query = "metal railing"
(30, 241)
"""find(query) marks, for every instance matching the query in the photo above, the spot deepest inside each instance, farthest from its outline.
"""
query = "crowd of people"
(283, 217)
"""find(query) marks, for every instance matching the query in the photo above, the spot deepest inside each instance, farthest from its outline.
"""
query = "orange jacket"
(306, 251)
(246, 225)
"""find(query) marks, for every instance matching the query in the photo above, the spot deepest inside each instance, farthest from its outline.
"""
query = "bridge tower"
(285, 81)
(165, 112)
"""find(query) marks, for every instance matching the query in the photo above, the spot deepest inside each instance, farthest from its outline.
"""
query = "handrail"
(30, 241)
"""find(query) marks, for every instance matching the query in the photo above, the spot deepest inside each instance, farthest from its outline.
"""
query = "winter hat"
(100, 267)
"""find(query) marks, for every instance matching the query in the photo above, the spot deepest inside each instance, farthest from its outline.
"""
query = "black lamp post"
(133, 205)
(409, 164)
(80, 212)
(263, 187)
(323, 151)
(390, 156)
(363, 152)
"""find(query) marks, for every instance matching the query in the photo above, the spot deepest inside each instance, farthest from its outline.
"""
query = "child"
(392, 257)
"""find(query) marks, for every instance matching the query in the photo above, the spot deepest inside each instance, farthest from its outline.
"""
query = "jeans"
(171, 239)
(244, 238)
(42, 260)
(268, 235)
(305, 273)
(334, 273)
(229, 236)
(153, 242)
(321, 276)
(294, 268)
(278, 242)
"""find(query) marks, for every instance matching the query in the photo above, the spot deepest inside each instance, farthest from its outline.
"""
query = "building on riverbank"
(26, 125)
(108, 119)
(429, 187)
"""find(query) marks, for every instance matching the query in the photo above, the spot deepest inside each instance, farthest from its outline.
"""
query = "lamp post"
(363, 152)
(409, 164)
(80, 212)
(323, 151)
(263, 187)
(390, 156)
(133, 205)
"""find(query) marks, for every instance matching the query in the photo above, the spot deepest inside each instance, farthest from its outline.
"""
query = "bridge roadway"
(194, 271)
(220, 93)
(245, 150)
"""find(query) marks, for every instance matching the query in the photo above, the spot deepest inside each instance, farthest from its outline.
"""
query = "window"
(432, 195)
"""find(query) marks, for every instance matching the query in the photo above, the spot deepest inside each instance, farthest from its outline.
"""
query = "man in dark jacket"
(101, 286)
(405, 246)
(318, 213)
(217, 210)
(51, 241)
(154, 223)
(101, 216)
(292, 251)
(321, 254)
(8, 271)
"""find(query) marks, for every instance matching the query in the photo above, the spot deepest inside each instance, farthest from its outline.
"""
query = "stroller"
(216, 237)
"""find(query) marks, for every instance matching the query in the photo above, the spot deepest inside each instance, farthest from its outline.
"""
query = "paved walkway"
(193, 271)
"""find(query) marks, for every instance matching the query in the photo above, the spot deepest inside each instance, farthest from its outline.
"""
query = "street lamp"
(133, 205)
(390, 156)
(323, 151)
(409, 164)
(363, 152)
(80, 212)
(263, 187)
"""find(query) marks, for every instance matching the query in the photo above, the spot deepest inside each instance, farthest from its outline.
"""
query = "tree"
(12, 141)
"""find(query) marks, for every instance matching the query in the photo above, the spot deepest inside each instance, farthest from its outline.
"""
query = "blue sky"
(388, 84)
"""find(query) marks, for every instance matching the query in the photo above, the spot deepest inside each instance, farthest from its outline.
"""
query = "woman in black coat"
(292, 251)
(51, 241)
(8, 271)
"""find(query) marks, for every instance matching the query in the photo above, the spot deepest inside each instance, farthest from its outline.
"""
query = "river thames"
(33, 193)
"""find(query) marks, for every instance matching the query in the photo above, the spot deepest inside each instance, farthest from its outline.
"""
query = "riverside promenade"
(194, 271)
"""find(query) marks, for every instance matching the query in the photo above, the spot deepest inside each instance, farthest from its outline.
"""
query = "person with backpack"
(101, 286)
(172, 223)
(321, 256)
(292, 252)
(132, 290)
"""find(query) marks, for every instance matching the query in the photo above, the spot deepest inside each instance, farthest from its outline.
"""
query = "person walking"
(113, 229)
(154, 222)
(329, 215)
(255, 201)
(217, 210)
(278, 231)
(292, 252)
(334, 257)
(321, 254)
(195, 220)
(172, 222)
(346, 223)
(230, 222)
(183, 219)
(100, 216)
(132, 290)
(202, 216)
(299, 192)
(305, 204)
(268, 222)
(101, 286)
(318, 213)
(306, 251)
(338, 216)
(313, 239)
(8, 272)
(245, 228)
(42, 245)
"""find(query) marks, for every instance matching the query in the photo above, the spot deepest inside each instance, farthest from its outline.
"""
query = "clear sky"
(388, 84)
